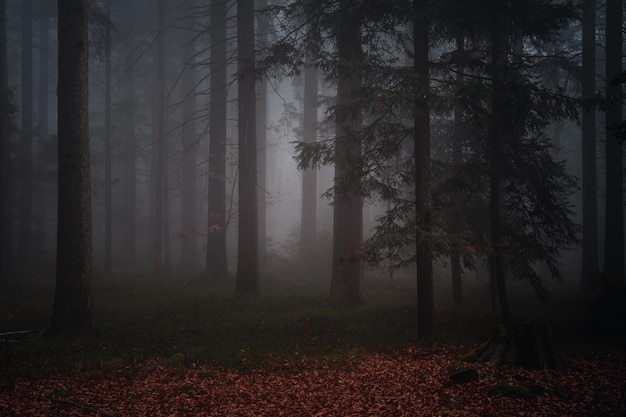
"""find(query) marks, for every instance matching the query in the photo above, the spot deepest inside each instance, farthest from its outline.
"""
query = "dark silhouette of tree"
(263, 26)
(308, 220)
(73, 301)
(423, 199)
(455, 218)
(5, 118)
(157, 249)
(108, 181)
(216, 260)
(247, 239)
(614, 233)
(590, 263)
(189, 256)
(26, 147)
(348, 201)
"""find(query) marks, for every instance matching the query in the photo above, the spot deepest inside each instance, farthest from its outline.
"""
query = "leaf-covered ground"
(410, 382)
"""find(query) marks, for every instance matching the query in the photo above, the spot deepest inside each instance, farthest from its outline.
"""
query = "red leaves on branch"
(412, 382)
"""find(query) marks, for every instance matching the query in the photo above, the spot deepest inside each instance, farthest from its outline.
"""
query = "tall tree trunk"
(423, 200)
(26, 150)
(308, 222)
(43, 204)
(73, 301)
(456, 222)
(614, 235)
(160, 152)
(216, 256)
(108, 183)
(348, 207)
(5, 226)
(247, 239)
(189, 256)
(590, 263)
(261, 120)
(496, 132)
(130, 168)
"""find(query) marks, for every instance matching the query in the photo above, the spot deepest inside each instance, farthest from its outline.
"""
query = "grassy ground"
(188, 321)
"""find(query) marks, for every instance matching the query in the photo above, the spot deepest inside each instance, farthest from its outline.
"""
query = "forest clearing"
(175, 349)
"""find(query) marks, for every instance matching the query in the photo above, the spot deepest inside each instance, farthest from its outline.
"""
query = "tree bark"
(423, 200)
(216, 256)
(348, 204)
(73, 301)
(456, 214)
(26, 149)
(189, 256)
(614, 234)
(261, 120)
(496, 132)
(590, 263)
(5, 226)
(248, 239)
(308, 222)
(160, 147)
(108, 185)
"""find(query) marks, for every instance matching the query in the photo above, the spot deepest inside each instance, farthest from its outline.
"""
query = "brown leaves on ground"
(412, 382)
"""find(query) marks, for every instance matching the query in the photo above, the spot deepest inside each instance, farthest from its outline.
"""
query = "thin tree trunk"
(348, 205)
(308, 222)
(108, 191)
(590, 262)
(5, 226)
(423, 200)
(42, 130)
(130, 168)
(216, 256)
(614, 234)
(456, 221)
(26, 165)
(160, 154)
(261, 111)
(73, 301)
(496, 132)
(189, 256)
(248, 238)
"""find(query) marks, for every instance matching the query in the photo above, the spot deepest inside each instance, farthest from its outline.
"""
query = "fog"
(132, 75)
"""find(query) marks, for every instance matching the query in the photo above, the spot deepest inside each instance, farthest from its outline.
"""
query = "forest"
(312, 208)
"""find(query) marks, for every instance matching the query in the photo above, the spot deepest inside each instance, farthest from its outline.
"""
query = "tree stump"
(526, 344)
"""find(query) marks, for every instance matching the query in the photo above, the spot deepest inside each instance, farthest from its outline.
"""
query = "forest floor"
(409, 382)
(168, 349)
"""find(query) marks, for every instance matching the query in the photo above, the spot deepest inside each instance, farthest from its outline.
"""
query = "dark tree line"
(438, 109)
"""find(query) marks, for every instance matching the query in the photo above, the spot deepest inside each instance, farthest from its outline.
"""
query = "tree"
(108, 182)
(590, 263)
(189, 246)
(308, 221)
(160, 145)
(26, 148)
(455, 219)
(216, 260)
(614, 234)
(348, 202)
(423, 199)
(73, 300)
(4, 146)
(247, 238)
(261, 120)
